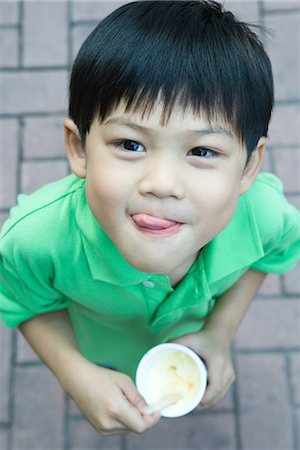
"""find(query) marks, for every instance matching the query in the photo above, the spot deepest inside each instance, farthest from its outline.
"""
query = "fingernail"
(147, 410)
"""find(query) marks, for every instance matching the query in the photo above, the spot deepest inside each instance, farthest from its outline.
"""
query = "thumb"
(134, 397)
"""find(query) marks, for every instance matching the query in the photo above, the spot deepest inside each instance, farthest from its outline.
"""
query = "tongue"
(147, 221)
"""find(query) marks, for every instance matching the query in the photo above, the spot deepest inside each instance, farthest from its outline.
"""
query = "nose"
(162, 178)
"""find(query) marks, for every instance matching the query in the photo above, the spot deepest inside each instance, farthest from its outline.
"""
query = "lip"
(155, 226)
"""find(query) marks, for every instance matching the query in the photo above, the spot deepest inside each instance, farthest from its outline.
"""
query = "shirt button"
(148, 284)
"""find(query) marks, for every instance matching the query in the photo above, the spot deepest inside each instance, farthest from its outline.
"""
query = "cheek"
(218, 204)
(101, 185)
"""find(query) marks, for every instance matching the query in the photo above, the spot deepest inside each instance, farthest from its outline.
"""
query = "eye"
(203, 152)
(130, 146)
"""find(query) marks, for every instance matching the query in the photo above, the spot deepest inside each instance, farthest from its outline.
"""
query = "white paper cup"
(153, 378)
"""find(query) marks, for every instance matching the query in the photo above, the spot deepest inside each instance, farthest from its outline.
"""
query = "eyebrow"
(213, 129)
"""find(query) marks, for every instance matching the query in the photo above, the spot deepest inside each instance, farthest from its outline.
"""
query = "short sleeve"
(25, 283)
(279, 226)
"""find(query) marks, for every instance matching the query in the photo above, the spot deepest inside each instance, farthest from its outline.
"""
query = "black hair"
(191, 53)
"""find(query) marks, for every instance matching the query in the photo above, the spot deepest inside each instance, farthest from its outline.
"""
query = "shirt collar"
(237, 247)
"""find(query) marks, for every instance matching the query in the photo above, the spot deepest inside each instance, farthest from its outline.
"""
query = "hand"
(109, 400)
(214, 348)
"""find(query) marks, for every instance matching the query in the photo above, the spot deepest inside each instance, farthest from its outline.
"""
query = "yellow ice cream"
(175, 373)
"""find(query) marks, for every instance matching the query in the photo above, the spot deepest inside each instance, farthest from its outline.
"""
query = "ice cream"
(172, 379)
(176, 376)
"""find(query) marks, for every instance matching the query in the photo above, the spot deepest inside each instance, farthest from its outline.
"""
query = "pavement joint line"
(123, 441)
(29, 364)
(281, 284)
(278, 297)
(12, 384)
(9, 26)
(287, 147)
(37, 159)
(69, 34)
(32, 69)
(282, 11)
(21, 33)
(286, 102)
(66, 427)
(91, 22)
(236, 403)
(267, 351)
(20, 155)
(292, 411)
(32, 114)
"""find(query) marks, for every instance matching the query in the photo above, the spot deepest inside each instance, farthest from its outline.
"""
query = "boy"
(162, 232)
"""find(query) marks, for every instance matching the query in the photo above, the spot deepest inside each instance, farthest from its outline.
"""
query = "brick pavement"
(262, 410)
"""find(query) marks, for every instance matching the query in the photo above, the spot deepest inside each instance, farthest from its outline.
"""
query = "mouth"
(153, 225)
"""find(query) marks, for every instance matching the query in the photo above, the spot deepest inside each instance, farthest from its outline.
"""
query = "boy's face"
(161, 193)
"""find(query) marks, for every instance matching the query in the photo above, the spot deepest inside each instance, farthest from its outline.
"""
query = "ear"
(253, 166)
(75, 151)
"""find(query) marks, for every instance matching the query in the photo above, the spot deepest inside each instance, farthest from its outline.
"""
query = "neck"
(178, 274)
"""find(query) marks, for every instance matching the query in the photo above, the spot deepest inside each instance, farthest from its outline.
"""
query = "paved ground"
(262, 411)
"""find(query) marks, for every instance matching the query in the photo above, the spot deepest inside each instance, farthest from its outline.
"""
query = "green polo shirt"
(54, 255)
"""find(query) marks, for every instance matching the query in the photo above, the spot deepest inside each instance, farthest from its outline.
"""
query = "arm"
(108, 399)
(213, 341)
(232, 306)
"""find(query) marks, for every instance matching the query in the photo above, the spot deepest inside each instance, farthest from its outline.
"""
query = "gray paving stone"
(38, 410)
(4, 438)
(270, 324)
(84, 437)
(9, 12)
(277, 5)
(271, 286)
(45, 33)
(34, 174)
(265, 416)
(74, 411)
(297, 414)
(294, 360)
(43, 137)
(33, 92)
(3, 217)
(284, 50)
(294, 200)
(267, 162)
(284, 127)
(9, 48)
(9, 130)
(287, 167)
(24, 353)
(291, 281)
(206, 431)
(90, 11)
(226, 404)
(245, 10)
(5, 372)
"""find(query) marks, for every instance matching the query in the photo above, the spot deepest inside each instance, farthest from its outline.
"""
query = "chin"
(153, 267)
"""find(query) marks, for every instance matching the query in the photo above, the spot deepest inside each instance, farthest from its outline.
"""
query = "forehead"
(178, 118)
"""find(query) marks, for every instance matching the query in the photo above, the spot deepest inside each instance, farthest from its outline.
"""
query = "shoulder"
(273, 215)
(39, 218)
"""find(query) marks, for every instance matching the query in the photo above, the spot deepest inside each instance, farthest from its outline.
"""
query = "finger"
(133, 396)
(134, 420)
(214, 396)
(134, 409)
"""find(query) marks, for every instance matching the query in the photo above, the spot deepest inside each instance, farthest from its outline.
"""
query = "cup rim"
(143, 367)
